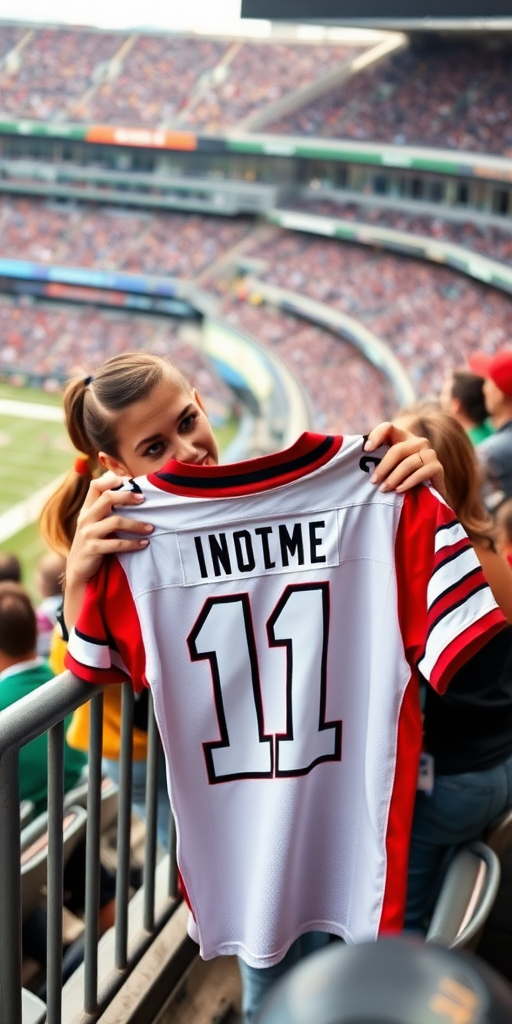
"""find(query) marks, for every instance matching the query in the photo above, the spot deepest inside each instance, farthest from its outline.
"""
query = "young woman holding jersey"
(136, 414)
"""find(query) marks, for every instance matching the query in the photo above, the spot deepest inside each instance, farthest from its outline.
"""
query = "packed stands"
(10, 36)
(53, 70)
(59, 341)
(483, 238)
(346, 393)
(257, 75)
(157, 77)
(457, 97)
(152, 80)
(180, 245)
(431, 317)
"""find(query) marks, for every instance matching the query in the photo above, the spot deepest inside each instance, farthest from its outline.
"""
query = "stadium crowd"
(485, 238)
(156, 80)
(457, 97)
(355, 387)
(139, 79)
(430, 316)
(52, 69)
(112, 238)
(56, 341)
(257, 75)
(413, 306)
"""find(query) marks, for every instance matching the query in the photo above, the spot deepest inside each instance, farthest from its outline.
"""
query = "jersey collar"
(308, 453)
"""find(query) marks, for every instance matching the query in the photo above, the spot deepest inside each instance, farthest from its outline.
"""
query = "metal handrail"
(44, 710)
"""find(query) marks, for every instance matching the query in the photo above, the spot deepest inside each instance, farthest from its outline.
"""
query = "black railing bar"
(173, 866)
(123, 828)
(40, 710)
(92, 856)
(153, 756)
(55, 888)
(10, 889)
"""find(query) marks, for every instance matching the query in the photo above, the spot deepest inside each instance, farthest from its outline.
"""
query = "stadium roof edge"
(421, 24)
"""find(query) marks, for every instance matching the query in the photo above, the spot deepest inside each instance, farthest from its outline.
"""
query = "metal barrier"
(42, 710)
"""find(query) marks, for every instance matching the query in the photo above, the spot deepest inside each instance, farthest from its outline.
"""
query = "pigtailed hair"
(57, 522)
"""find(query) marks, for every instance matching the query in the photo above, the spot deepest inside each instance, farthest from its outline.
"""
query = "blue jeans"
(459, 810)
(257, 981)
(111, 768)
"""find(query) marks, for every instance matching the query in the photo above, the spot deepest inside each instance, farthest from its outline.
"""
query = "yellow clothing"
(77, 734)
(78, 731)
(58, 648)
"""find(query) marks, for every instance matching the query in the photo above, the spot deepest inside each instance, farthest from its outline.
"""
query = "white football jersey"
(279, 615)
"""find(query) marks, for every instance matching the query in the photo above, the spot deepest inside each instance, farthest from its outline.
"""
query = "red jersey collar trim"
(308, 453)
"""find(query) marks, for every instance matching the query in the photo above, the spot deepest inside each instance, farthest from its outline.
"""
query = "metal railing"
(41, 711)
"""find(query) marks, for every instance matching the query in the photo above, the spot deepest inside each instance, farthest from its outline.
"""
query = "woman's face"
(170, 423)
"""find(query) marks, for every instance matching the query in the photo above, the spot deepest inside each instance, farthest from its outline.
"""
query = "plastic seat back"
(34, 852)
(495, 945)
(467, 896)
(109, 800)
(27, 809)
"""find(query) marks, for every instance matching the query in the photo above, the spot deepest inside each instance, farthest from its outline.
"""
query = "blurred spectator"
(21, 672)
(504, 529)
(495, 453)
(48, 578)
(468, 730)
(10, 567)
(462, 396)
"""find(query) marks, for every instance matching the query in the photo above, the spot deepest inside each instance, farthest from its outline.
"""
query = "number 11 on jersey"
(224, 635)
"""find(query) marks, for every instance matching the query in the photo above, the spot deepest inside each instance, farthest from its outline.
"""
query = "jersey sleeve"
(446, 608)
(106, 644)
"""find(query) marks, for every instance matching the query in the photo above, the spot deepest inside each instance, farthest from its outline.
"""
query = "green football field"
(33, 452)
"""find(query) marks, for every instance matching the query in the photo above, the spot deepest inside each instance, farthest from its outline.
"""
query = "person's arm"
(409, 461)
(498, 574)
(94, 538)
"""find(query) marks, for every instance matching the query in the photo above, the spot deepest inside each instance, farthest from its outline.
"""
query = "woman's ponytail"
(57, 523)
(93, 407)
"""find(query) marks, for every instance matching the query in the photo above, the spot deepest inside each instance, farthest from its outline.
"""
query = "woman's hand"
(409, 461)
(95, 537)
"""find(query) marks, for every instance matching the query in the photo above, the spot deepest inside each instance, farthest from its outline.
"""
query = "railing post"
(173, 867)
(123, 828)
(92, 856)
(10, 888)
(55, 888)
(153, 756)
